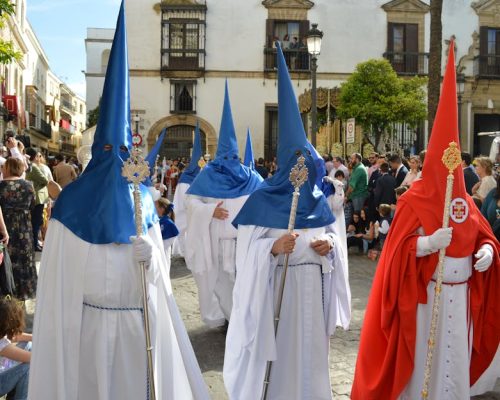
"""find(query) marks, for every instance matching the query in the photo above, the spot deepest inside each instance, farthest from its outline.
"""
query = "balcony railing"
(68, 105)
(66, 126)
(487, 66)
(409, 63)
(183, 59)
(297, 60)
(40, 126)
(68, 147)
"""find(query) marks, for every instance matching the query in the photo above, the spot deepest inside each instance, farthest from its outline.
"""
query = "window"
(489, 51)
(271, 132)
(179, 142)
(402, 49)
(183, 37)
(182, 97)
(292, 37)
(81, 108)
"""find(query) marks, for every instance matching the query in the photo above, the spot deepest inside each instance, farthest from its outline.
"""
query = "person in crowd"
(373, 160)
(357, 191)
(89, 319)
(169, 231)
(328, 163)
(412, 174)
(14, 350)
(316, 296)
(470, 175)
(338, 164)
(484, 170)
(372, 184)
(384, 188)
(17, 199)
(355, 231)
(64, 173)
(261, 169)
(391, 361)
(398, 170)
(384, 223)
(35, 175)
(214, 198)
(491, 209)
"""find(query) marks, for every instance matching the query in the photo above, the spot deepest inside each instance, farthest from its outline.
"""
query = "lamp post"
(137, 119)
(313, 37)
(460, 92)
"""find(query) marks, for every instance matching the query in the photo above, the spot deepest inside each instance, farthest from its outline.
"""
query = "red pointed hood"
(427, 195)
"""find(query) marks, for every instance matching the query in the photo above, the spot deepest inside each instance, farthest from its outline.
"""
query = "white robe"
(316, 300)
(88, 338)
(452, 352)
(210, 254)
(180, 210)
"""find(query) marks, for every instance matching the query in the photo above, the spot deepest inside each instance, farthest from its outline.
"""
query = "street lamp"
(313, 37)
(137, 119)
(460, 92)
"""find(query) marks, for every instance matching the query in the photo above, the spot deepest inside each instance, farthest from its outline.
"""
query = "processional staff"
(136, 170)
(298, 176)
(451, 160)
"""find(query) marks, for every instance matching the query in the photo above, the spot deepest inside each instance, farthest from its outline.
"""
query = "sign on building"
(350, 131)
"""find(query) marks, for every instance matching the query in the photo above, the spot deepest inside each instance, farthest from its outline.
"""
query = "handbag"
(7, 285)
(54, 189)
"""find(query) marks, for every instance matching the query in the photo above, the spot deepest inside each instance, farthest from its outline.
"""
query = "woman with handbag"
(17, 198)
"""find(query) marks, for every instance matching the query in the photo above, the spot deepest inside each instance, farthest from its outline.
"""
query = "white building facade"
(182, 51)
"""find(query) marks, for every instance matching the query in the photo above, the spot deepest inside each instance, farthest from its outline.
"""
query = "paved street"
(209, 343)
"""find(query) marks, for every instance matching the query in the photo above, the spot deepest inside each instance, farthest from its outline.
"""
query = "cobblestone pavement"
(209, 343)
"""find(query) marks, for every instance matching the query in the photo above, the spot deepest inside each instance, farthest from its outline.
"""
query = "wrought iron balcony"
(40, 126)
(68, 148)
(297, 60)
(487, 66)
(182, 59)
(406, 63)
(66, 126)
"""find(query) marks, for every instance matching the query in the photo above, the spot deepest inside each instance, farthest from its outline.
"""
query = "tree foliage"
(93, 117)
(378, 98)
(8, 52)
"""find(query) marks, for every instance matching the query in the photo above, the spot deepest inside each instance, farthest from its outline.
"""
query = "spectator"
(355, 231)
(373, 159)
(470, 175)
(421, 159)
(384, 189)
(17, 199)
(384, 222)
(328, 163)
(64, 173)
(413, 172)
(338, 165)
(14, 359)
(399, 171)
(357, 191)
(484, 169)
(261, 169)
(491, 209)
(372, 183)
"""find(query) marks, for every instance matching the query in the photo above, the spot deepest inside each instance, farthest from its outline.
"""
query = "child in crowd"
(14, 358)
(169, 231)
(384, 224)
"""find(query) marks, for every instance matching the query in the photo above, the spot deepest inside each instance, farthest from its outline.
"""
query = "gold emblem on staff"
(452, 157)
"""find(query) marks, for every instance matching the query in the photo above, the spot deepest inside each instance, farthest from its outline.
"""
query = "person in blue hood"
(187, 177)
(90, 341)
(316, 295)
(214, 198)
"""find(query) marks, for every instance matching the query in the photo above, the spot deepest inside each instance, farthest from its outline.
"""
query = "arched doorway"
(179, 139)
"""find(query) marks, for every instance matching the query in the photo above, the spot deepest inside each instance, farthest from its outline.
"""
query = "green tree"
(435, 49)
(93, 117)
(378, 98)
(8, 52)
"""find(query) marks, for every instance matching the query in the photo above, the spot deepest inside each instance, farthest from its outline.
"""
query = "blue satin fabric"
(249, 161)
(98, 207)
(168, 228)
(270, 205)
(225, 177)
(193, 169)
(326, 187)
(151, 157)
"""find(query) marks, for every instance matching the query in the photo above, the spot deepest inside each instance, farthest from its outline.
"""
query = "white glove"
(143, 249)
(155, 193)
(440, 239)
(484, 258)
(339, 186)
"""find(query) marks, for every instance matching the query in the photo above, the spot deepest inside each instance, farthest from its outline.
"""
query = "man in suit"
(399, 171)
(470, 175)
(384, 188)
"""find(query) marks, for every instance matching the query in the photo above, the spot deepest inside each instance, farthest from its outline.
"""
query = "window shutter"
(269, 32)
(390, 37)
(483, 41)
(411, 39)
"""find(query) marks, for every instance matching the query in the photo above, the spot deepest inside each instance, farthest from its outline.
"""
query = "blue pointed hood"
(151, 157)
(225, 177)
(98, 207)
(193, 169)
(249, 161)
(313, 210)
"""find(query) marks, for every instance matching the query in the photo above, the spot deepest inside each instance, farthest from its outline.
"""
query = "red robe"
(387, 347)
